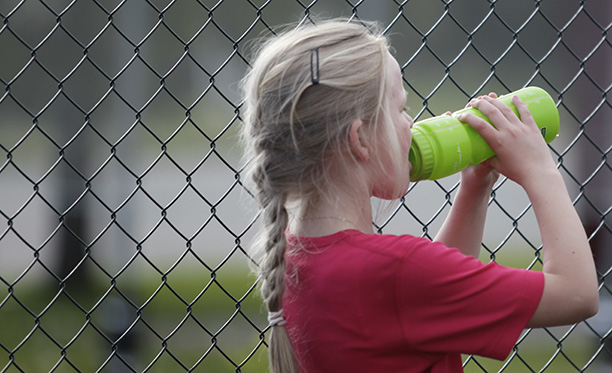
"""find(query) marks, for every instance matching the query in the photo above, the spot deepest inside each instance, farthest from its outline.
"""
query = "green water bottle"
(443, 145)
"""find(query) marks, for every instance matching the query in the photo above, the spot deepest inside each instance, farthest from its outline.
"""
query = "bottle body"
(443, 145)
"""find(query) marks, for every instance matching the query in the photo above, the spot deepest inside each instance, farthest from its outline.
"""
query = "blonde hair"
(303, 92)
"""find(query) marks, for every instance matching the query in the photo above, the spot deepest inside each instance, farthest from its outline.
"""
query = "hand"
(464, 226)
(479, 178)
(522, 155)
(521, 152)
(469, 104)
(491, 94)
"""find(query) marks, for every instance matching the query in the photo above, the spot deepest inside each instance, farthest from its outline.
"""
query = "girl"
(325, 131)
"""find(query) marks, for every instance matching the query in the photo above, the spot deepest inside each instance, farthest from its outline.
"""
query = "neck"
(345, 206)
(323, 219)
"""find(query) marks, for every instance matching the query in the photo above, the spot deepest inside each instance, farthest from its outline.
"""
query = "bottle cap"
(420, 156)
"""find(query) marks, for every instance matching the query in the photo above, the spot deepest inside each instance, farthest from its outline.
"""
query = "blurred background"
(124, 246)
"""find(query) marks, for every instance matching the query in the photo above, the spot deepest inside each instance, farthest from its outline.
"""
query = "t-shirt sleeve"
(450, 302)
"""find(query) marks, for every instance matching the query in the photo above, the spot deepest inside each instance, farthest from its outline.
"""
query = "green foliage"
(177, 323)
(186, 321)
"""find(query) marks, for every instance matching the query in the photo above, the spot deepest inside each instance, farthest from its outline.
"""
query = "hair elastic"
(277, 318)
(314, 65)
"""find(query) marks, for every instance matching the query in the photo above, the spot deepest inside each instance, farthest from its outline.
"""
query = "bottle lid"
(421, 155)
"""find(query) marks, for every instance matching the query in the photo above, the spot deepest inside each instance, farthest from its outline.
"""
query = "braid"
(272, 271)
(275, 219)
(294, 127)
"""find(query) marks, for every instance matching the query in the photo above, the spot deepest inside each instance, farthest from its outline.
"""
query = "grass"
(176, 326)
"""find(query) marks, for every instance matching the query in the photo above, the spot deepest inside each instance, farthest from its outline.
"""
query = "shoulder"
(398, 245)
(352, 246)
(406, 249)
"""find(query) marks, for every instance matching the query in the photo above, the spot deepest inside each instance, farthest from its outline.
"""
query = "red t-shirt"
(358, 302)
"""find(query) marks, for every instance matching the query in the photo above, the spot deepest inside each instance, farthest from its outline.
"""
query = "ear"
(358, 142)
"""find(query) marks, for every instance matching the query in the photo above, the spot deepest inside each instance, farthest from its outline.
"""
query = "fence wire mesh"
(126, 228)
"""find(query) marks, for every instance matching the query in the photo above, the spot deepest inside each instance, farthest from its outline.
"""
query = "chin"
(391, 194)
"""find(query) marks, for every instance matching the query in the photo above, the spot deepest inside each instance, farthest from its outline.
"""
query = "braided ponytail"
(272, 271)
(294, 126)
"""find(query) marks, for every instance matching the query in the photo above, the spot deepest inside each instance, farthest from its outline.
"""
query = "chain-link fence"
(126, 228)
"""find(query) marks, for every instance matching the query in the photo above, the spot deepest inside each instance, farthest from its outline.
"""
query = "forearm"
(568, 264)
(464, 226)
(570, 280)
(565, 245)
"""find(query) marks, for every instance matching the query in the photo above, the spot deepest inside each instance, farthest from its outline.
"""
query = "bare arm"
(464, 226)
(570, 290)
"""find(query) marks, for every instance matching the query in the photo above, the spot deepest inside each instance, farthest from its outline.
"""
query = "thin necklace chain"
(332, 218)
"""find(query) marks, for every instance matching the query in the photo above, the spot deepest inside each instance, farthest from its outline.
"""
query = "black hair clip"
(314, 65)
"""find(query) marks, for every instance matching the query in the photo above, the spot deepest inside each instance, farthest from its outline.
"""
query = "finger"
(493, 162)
(502, 108)
(495, 112)
(491, 94)
(472, 101)
(523, 111)
(483, 169)
(484, 128)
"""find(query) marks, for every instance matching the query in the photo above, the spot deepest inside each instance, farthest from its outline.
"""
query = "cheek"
(406, 140)
(407, 131)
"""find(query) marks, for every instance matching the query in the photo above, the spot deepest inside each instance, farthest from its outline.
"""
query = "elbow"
(591, 299)
(576, 311)
(586, 305)
(566, 302)
(591, 306)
